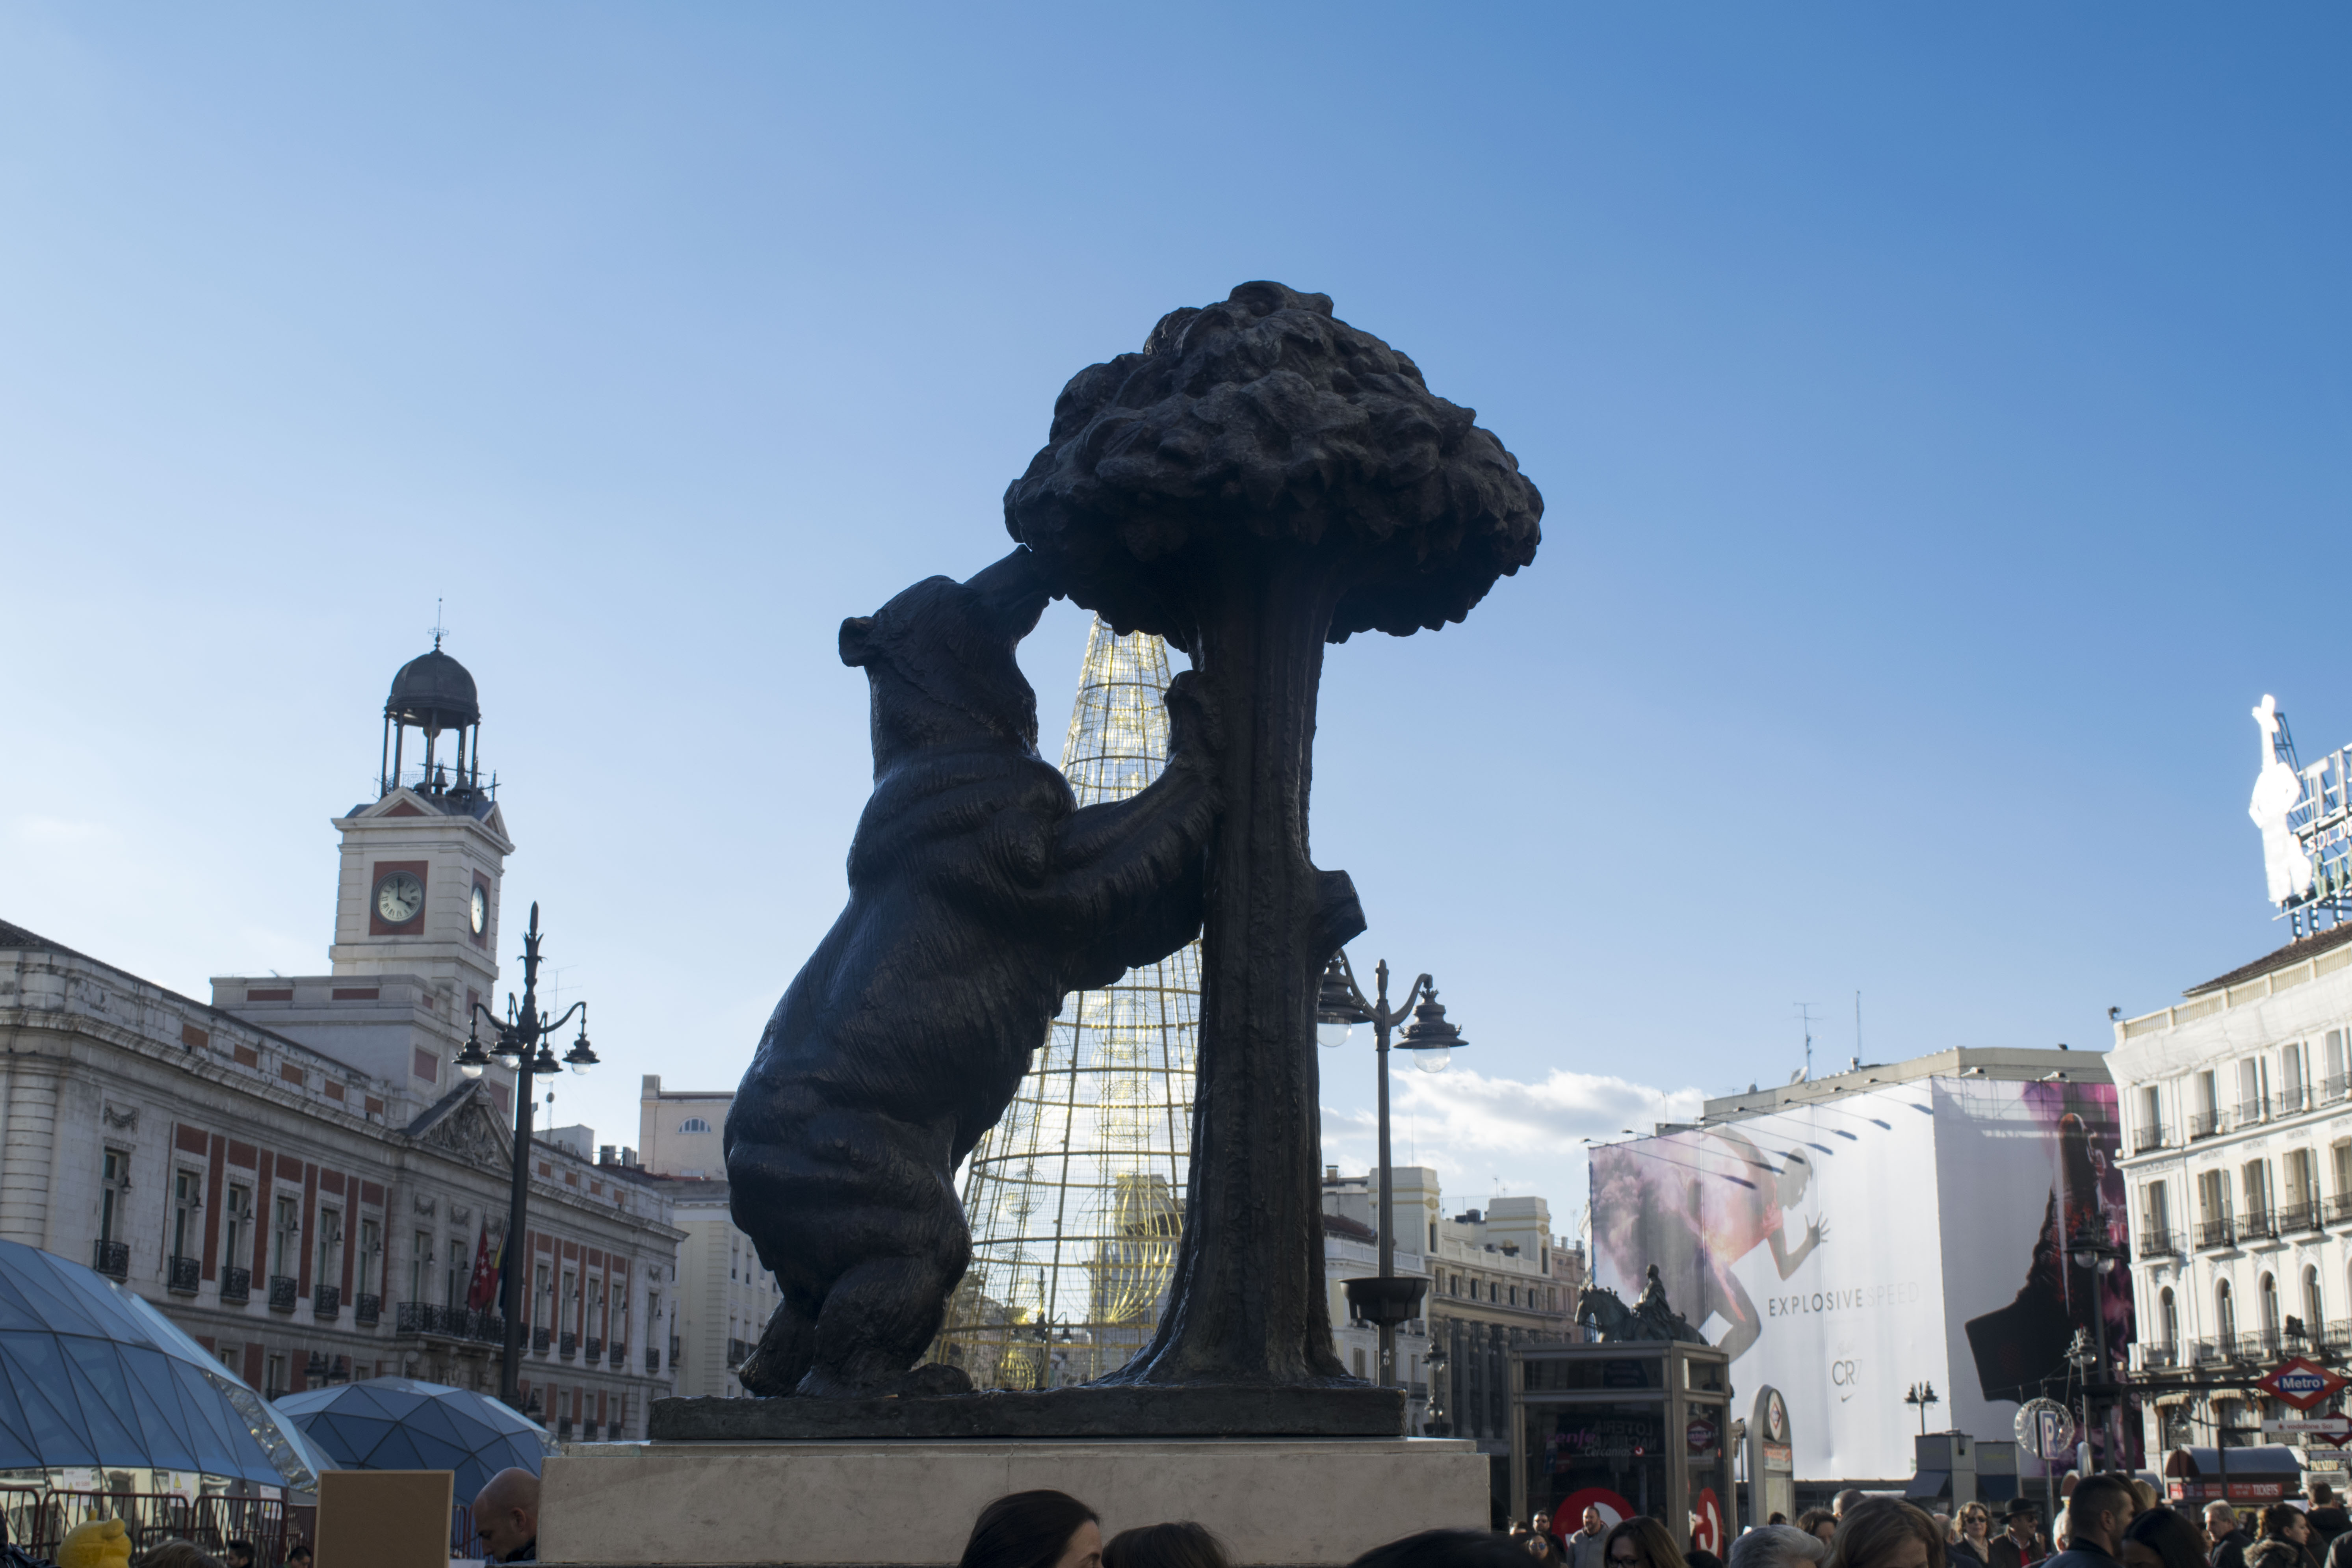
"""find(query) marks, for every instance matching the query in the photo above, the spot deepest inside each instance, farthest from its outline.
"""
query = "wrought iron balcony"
(432, 1321)
(367, 1310)
(327, 1302)
(539, 1341)
(183, 1275)
(588, 1431)
(2260, 1225)
(2212, 1233)
(2160, 1357)
(2204, 1353)
(2332, 1088)
(2250, 1112)
(282, 1292)
(2159, 1244)
(2206, 1123)
(564, 1427)
(653, 1359)
(2294, 1218)
(112, 1259)
(568, 1346)
(237, 1286)
(2148, 1137)
(593, 1350)
(2293, 1097)
(2339, 1208)
(737, 1352)
(2266, 1345)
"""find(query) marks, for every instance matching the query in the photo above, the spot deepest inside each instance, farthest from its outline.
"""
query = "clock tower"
(418, 893)
(416, 904)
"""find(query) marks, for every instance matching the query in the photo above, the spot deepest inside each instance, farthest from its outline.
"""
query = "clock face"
(480, 912)
(398, 898)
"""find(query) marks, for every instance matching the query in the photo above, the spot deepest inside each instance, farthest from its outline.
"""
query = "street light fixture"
(2093, 1252)
(1922, 1395)
(519, 1041)
(1385, 1300)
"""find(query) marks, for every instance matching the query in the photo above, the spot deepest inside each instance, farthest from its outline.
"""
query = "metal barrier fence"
(37, 1520)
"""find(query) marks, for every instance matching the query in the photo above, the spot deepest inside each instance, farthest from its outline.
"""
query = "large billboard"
(1845, 1252)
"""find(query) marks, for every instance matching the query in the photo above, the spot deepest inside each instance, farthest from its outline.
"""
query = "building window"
(187, 1201)
(115, 1177)
(569, 1306)
(540, 1310)
(285, 1237)
(275, 1383)
(2270, 1303)
(234, 1219)
(2168, 1322)
(330, 1262)
(694, 1124)
(2314, 1317)
(2225, 1313)
(455, 1275)
(420, 1268)
(370, 1256)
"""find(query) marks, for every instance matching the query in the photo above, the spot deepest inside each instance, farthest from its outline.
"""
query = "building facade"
(1498, 1278)
(295, 1172)
(2240, 1163)
(725, 1297)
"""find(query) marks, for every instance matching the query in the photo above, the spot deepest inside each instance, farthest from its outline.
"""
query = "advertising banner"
(1845, 1252)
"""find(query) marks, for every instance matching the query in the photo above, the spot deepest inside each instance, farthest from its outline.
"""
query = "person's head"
(506, 1513)
(297, 1555)
(1845, 1500)
(1975, 1522)
(1886, 1533)
(1446, 1548)
(238, 1553)
(1540, 1546)
(1641, 1542)
(1778, 1546)
(1542, 1521)
(2284, 1521)
(1035, 1530)
(2220, 1519)
(2321, 1495)
(2161, 1537)
(2100, 1509)
(1592, 1524)
(1698, 1558)
(177, 1554)
(1777, 1518)
(1178, 1545)
(2143, 1495)
(2022, 1518)
(1818, 1522)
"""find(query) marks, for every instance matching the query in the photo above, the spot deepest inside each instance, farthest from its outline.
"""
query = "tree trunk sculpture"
(1262, 479)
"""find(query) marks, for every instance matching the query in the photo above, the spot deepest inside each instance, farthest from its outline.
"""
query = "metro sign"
(2302, 1382)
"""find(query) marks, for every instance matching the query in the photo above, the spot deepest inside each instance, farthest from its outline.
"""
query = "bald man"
(505, 1517)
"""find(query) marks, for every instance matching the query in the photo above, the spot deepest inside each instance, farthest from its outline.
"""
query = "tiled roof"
(17, 936)
(1353, 1229)
(2292, 953)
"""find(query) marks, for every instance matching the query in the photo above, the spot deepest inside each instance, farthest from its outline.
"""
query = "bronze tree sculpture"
(1262, 479)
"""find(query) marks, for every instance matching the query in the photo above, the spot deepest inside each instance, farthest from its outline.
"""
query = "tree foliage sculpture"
(1261, 479)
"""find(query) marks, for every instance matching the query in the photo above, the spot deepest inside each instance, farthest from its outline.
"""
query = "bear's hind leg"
(787, 1348)
(878, 1318)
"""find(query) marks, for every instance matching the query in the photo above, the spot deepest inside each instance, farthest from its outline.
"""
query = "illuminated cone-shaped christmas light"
(1075, 1197)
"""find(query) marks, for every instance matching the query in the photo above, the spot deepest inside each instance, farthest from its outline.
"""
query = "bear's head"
(942, 660)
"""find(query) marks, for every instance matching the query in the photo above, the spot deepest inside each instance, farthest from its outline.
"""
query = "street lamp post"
(2093, 1252)
(519, 1040)
(1922, 1394)
(1385, 1300)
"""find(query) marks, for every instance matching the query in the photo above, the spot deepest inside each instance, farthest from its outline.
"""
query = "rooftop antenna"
(439, 631)
(1805, 1014)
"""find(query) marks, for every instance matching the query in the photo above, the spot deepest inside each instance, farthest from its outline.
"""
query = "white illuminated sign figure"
(2278, 790)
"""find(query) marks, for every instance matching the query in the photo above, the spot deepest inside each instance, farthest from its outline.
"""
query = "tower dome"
(434, 692)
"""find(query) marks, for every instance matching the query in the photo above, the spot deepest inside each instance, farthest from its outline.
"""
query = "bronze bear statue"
(979, 896)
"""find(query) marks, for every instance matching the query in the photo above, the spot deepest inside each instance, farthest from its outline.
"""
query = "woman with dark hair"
(1179, 1545)
(1035, 1530)
(2162, 1538)
(1642, 1541)
(1886, 1533)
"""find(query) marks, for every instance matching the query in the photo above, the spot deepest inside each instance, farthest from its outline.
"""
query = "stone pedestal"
(1272, 1501)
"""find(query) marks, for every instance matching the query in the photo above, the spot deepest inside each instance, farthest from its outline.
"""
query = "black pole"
(1386, 1232)
(524, 1038)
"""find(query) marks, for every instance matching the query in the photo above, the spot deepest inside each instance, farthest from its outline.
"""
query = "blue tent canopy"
(93, 1378)
(402, 1424)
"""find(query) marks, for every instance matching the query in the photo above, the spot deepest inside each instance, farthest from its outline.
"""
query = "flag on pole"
(479, 1292)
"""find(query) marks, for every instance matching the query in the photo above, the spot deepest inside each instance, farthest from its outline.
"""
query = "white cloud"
(1487, 1135)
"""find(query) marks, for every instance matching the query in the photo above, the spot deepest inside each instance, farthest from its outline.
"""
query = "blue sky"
(1941, 414)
